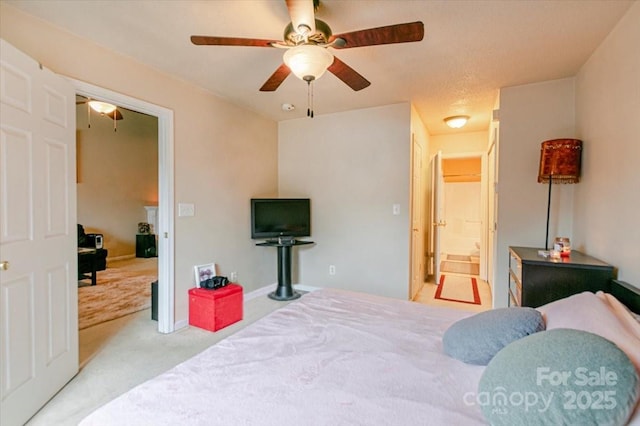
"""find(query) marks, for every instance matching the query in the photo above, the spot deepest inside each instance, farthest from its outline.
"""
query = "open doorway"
(117, 199)
(457, 240)
(461, 237)
(165, 217)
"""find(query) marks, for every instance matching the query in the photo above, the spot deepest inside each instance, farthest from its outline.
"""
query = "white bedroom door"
(38, 243)
(417, 226)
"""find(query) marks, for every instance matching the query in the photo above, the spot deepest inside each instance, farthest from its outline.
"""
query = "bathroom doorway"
(462, 236)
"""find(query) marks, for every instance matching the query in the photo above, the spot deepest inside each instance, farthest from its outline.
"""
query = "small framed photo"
(204, 273)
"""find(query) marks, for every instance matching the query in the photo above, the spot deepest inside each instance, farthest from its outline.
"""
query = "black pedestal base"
(275, 295)
(284, 291)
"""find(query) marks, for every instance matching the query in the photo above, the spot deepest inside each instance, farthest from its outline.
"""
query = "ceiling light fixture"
(308, 62)
(456, 121)
(102, 107)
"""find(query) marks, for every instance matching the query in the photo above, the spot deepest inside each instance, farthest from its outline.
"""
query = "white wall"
(529, 115)
(354, 166)
(223, 154)
(607, 204)
(459, 143)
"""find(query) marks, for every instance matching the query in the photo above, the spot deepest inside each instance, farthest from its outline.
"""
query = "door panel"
(56, 155)
(15, 162)
(18, 333)
(437, 205)
(38, 291)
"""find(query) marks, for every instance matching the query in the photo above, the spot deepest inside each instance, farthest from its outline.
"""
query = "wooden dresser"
(535, 280)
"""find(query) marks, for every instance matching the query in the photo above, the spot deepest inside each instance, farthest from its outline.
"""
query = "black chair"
(93, 260)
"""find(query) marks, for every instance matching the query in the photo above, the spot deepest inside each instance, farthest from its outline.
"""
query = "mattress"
(331, 357)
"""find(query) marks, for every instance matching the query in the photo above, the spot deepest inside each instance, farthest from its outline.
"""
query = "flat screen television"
(280, 217)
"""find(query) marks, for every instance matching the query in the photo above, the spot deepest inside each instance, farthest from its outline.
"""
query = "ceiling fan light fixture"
(102, 107)
(307, 61)
(456, 121)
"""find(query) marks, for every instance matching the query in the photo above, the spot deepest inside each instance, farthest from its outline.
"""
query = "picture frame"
(204, 272)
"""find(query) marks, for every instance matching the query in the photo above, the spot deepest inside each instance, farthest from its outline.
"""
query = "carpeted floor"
(459, 264)
(460, 267)
(123, 288)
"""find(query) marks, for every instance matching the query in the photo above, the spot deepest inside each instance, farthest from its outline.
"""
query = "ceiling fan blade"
(276, 79)
(302, 14)
(399, 33)
(115, 112)
(348, 75)
(231, 41)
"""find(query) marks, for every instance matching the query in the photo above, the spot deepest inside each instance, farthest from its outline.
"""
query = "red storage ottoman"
(215, 309)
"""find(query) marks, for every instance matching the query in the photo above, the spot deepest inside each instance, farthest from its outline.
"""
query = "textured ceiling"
(470, 49)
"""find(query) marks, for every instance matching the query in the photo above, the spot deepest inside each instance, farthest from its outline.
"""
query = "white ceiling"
(470, 49)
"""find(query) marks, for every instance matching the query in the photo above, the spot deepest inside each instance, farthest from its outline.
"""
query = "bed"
(335, 357)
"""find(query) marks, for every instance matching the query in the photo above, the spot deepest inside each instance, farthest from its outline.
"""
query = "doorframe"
(166, 219)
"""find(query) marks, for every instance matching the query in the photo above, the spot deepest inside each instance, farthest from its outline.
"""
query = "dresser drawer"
(515, 290)
(515, 266)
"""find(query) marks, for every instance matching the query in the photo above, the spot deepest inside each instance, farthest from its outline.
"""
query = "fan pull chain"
(89, 114)
(309, 99)
(114, 120)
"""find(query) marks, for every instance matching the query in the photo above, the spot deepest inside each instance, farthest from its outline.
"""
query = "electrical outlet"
(233, 277)
(332, 269)
(396, 209)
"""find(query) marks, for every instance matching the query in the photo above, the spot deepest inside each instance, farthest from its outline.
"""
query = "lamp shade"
(560, 161)
(102, 107)
(308, 62)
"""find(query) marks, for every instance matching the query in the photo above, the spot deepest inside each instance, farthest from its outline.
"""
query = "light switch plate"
(186, 209)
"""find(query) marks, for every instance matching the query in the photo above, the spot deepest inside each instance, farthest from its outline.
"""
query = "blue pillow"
(476, 339)
(559, 377)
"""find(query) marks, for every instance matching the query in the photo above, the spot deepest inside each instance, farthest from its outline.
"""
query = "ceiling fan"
(105, 109)
(307, 39)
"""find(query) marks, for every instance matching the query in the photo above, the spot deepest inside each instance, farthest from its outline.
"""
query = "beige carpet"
(123, 288)
(458, 267)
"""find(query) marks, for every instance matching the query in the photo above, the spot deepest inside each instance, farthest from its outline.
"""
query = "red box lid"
(227, 290)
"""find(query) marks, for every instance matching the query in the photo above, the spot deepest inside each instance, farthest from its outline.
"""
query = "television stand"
(284, 290)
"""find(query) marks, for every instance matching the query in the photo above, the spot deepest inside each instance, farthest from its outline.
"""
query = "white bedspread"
(331, 358)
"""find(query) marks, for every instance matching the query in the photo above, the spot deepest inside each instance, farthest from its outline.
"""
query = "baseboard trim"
(307, 288)
(263, 291)
(180, 324)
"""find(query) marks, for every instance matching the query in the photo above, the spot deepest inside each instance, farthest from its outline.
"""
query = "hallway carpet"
(122, 289)
(460, 267)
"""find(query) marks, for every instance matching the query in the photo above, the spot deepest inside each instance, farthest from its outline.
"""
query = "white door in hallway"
(437, 212)
(38, 281)
(417, 226)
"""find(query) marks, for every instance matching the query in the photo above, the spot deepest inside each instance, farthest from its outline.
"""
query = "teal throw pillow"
(559, 377)
(476, 339)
